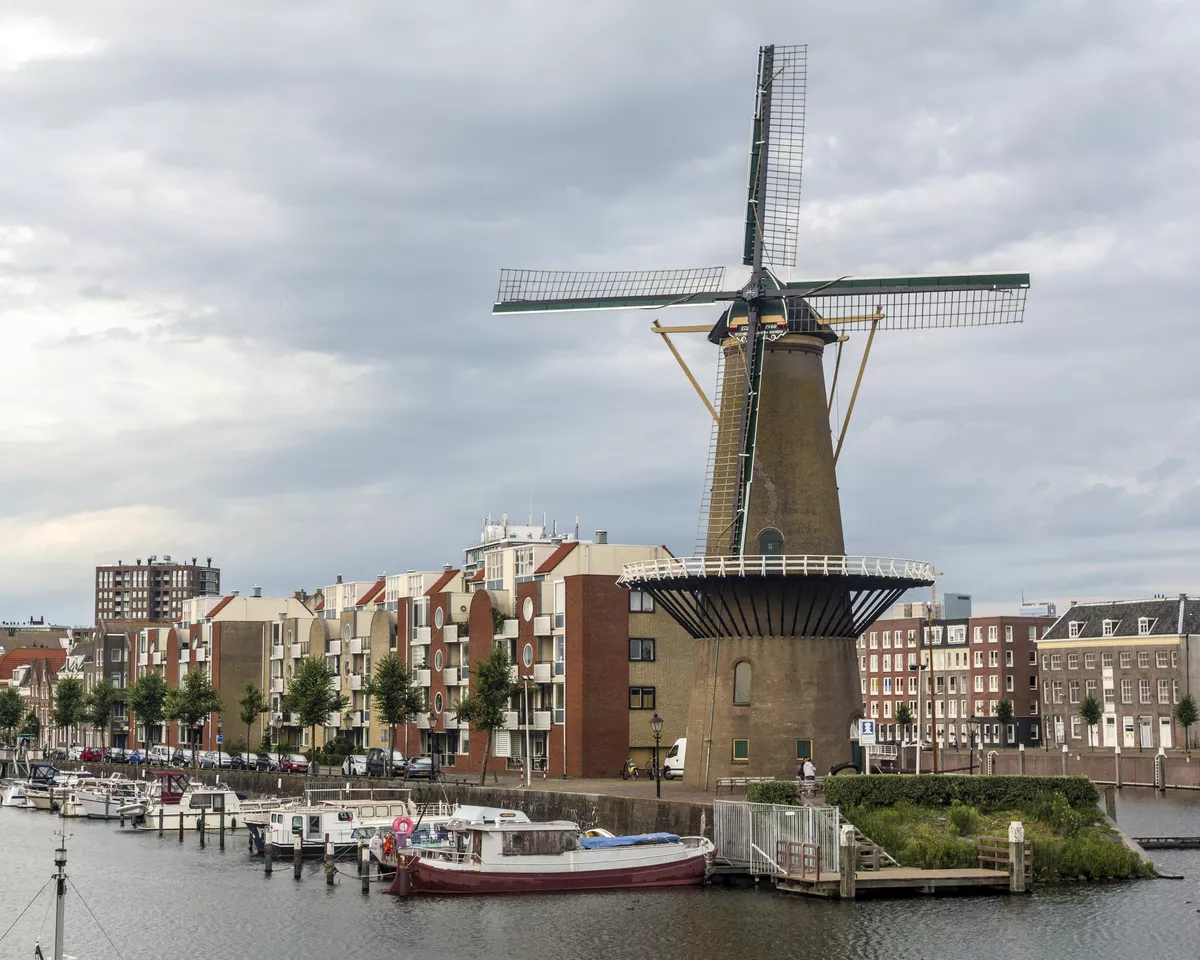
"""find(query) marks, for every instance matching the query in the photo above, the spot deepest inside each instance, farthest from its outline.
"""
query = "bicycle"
(630, 771)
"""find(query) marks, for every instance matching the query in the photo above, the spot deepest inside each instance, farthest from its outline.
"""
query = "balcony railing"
(543, 626)
(156, 658)
(672, 568)
(277, 651)
(510, 720)
(422, 635)
(277, 684)
(450, 633)
(334, 648)
(295, 651)
(508, 630)
(450, 676)
(541, 719)
(513, 674)
(543, 672)
(143, 660)
(356, 681)
(421, 721)
(356, 646)
(449, 721)
(421, 677)
(276, 718)
(201, 654)
(185, 655)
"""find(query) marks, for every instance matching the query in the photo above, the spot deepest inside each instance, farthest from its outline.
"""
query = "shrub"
(938, 853)
(983, 793)
(965, 819)
(1091, 856)
(772, 791)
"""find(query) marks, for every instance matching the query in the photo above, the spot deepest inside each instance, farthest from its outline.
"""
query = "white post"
(866, 759)
(920, 719)
(528, 757)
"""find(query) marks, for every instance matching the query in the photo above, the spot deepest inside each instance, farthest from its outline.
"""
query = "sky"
(248, 253)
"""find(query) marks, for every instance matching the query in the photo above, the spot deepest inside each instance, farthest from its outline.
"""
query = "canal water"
(159, 899)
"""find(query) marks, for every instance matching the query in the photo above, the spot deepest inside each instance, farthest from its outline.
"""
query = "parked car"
(116, 755)
(159, 755)
(181, 757)
(91, 755)
(422, 768)
(137, 756)
(243, 761)
(215, 760)
(355, 765)
(293, 763)
(267, 763)
(75, 753)
(377, 762)
(55, 756)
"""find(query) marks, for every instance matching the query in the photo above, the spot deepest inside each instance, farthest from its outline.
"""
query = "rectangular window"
(1008, 658)
(1089, 687)
(641, 698)
(1127, 691)
(1056, 689)
(741, 751)
(1108, 694)
(1089, 661)
(1075, 721)
(993, 633)
(994, 683)
(874, 685)
(1106, 660)
(1033, 633)
(640, 602)
(1126, 660)
(1143, 659)
(1008, 634)
(912, 638)
(1073, 628)
(874, 662)
(912, 659)
(874, 640)
(1144, 691)
(1144, 626)
(887, 709)
(993, 658)
(887, 639)
(1174, 658)
(1164, 691)
(1108, 628)
(1056, 661)
(560, 603)
(1073, 691)
(912, 685)
(887, 662)
(979, 658)
(979, 683)
(1072, 661)
(887, 685)
(1009, 684)
(874, 708)
(641, 648)
(978, 634)
(1160, 659)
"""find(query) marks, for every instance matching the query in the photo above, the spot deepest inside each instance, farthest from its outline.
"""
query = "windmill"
(770, 559)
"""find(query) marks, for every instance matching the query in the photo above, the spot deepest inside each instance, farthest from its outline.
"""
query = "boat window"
(314, 823)
(367, 811)
(297, 824)
(345, 816)
(201, 801)
(218, 802)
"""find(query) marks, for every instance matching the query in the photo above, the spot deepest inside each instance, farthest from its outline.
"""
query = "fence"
(748, 835)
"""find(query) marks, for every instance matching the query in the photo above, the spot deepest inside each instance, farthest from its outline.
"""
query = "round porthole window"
(346, 631)
(437, 661)
(527, 609)
(438, 618)
(437, 703)
(527, 655)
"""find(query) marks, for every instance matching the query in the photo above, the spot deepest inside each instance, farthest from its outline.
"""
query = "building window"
(994, 683)
(912, 637)
(979, 658)
(887, 709)
(1073, 628)
(993, 658)
(641, 698)
(887, 639)
(1160, 659)
(741, 751)
(1075, 728)
(1127, 691)
(1145, 625)
(1008, 634)
(741, 682)
(993, 633)
(1073, 691)
(874, 662)
(1143, 659)
(770, 543)
(1089, 687)
(1056, 689)
(1144, 691)
(1108, 628)
(1056, 661)
(1108, 694)
(640, 602)
(874, 640)
(874, 685)
(1106, 660)
(560, 603)
(1164, 691)
(887, 685)
(1072, 661)
(1089, 661)
(641, 648)
(1126, 660)
(1008, 658)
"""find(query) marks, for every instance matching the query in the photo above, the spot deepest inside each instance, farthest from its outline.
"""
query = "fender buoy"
(402, 825)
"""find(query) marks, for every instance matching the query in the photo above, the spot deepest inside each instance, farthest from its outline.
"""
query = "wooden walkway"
(1168, 843)
(889, 879)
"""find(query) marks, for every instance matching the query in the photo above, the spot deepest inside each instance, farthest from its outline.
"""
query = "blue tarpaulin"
(597, 843)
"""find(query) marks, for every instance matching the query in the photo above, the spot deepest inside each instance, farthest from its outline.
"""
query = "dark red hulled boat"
(542, 857)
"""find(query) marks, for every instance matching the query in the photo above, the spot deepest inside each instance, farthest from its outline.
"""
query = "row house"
(1136, 657)
(35, 679)
(952, 674)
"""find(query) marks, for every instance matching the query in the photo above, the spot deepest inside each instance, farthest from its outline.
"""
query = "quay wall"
(618, 814)
(1136, 766)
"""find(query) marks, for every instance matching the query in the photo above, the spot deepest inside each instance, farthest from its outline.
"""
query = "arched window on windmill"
(741, 683)
(770, 543)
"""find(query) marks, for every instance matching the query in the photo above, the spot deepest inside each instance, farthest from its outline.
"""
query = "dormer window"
(1110, 627)
(1073, 628)
(1144, 626)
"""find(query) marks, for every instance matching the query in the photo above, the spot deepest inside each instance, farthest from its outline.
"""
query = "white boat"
(105, 799)
(14, 795)
(179, 799)
(555, 856)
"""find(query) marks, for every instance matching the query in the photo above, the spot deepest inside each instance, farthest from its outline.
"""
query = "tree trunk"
(487, 752)
(391, 750)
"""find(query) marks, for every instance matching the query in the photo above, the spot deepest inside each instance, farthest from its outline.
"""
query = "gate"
(748, 835)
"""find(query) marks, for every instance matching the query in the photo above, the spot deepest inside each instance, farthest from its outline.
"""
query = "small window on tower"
(770, 542)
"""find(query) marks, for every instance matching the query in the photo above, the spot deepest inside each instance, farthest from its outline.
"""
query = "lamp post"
(656, 724)
(917, 668)
(433, 764)
(973, 723)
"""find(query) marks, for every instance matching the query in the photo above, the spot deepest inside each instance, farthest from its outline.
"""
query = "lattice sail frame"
(548, 290)
(785, 156)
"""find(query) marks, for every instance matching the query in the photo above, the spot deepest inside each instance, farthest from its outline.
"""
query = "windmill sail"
(781, 213)
(536, 291)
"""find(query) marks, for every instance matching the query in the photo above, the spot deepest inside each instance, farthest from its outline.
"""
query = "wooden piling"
(364, 868)
(297, 854)
(1065, 754)
(268, 856)
(179, 814)
(1117, 764)
(222, 829)
(1110, 802)
(1016, 857)
(1021, 757)
(358, 856)
(200, 827)
(330, 869)
(848, 865)
(160, 820)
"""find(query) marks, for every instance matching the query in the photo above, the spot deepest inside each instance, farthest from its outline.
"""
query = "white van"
(160, 755)
(673, 764)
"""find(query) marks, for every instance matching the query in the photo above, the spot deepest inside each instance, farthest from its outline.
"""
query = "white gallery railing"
(671, 568)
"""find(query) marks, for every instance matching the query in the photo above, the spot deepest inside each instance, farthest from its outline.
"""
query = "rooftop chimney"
(447, 567)
(234, 593)
(602, 536)
(257, 590)
(339, 579)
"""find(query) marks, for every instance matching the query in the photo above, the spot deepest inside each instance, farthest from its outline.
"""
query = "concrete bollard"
(364, 868)
(1117, 765)
(848, 865)
(330, 869)
(179, 814)
(1110, 802)
(200, 827)
(1017, 881)
(268, 856)
(222, 828)
(1065, 756)
(1021, 759)
(297, 855)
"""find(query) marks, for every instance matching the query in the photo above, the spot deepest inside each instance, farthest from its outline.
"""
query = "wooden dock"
(892, 879)
(1168, 843)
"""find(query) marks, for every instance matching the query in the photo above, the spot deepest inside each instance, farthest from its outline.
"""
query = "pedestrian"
(810, 769)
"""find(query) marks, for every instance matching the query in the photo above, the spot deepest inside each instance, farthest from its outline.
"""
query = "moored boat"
(512, 857)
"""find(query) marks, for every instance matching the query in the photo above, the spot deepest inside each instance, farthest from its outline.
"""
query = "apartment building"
(152, 590)
(1137, 657)
(952, 674)
(35, 632)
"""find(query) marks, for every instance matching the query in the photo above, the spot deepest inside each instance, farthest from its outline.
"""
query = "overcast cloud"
(248, 253)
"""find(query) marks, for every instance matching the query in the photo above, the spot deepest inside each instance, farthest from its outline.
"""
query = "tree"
(12, 710)
(69, 703)
(395, 696)
(904, 717)
(1185, 713)
(147, 700)
(1004, 713)
(191, 702)
(1091, 711)
(484, 709)
(97, 708)
(252, 704)
(32, 726)
(312, 697)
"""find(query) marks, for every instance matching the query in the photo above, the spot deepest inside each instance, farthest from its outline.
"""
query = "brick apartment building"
(953, 676)
(1137, 657)
(153, 590)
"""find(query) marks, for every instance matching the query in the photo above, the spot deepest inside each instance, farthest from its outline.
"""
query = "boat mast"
(60, 861)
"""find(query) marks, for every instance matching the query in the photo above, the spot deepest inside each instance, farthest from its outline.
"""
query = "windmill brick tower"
(770, 596)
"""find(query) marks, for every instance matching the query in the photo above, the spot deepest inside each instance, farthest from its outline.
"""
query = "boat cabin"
(40, 772)
(174, 785)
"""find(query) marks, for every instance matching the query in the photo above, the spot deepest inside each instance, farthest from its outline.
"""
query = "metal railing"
(748, 834)
(671, 568)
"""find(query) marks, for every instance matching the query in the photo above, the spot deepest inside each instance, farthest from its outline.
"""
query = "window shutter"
(501, 743)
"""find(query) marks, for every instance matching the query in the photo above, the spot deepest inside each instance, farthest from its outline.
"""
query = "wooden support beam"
(662, 332)
(854, 396)
(687, 328)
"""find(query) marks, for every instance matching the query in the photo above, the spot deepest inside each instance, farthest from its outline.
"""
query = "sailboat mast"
(60, 907)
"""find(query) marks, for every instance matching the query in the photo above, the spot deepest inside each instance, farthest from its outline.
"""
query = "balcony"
(185, 655)
(356, 681)
(421, 677)
(422, 635)
(510, 720)
(334, 719)
(360, 718)
(543, 672)
(275, 718)
(541, 719)
(449, 721)
(156, 658)
(513, 675)
(143, 660)
(450, 633)
(295, 651)
(542, 626)
(277, 684)
(421, 721)
(201, 654)
(560, 671)
(355, 645)
(508, 630)
(450, 676)
(333, 648)
(277, 651)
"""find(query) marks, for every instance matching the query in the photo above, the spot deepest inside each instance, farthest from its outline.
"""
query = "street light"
(433, 766)
(973, 723)
(918, 667)
(656, 724)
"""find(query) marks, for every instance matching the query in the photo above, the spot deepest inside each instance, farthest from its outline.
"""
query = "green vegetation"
(904, 718)
(147, 701)
(1185, 713)
(32, 725)
(777, 791)
(1069, 835)
(191, 702)
(312, 698)
(69, 703)
(491, 689)
(98, 706)
(251, 705)
(395, 695)
(12, 709)
(1091, 711)
(1004, 714)
(986, 793)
